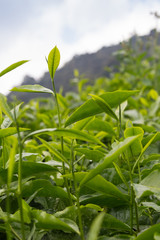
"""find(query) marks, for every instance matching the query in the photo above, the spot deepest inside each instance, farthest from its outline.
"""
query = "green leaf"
(157, 236)
(111, 222)
(145, 148)
(149, 185)
(114, 153)
(149, 233)
(69, 212)
(44, 188)
(121, 174)
(95, 227)
(10, 131)
(7, 120)
(151, 205)
(36, 88)
(104, 106)
(28, 169)
(71, 133)
(26, 214)
(49, 221)
(94, 155)
(100, 184)
(53, 61)
(53, 150)
(11, 67)
(99, 125)
(90, 108)
(12, 159)
(102, 200)
(4, 106)
(136, 147)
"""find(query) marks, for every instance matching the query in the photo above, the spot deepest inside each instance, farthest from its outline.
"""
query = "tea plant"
(86, 172)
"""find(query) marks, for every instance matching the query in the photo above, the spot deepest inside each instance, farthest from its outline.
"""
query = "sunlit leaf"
(104, 106)
(113, 154)
(53, 61)
(32, 88)
(90, 108)
(11, 67)
(95, 227)
(71, 133)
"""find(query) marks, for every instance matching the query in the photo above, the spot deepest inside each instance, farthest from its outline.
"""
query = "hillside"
(91, 66)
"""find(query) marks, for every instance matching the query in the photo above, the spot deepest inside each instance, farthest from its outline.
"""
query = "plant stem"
(120, 122)
(3, 153)
(8, 214)
(20, 179)
(136, 211)
(14, 232)
(60, 125)
(79, 213)
(76, 191)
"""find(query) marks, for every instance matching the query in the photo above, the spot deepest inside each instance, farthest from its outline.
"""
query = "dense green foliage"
(84, 165)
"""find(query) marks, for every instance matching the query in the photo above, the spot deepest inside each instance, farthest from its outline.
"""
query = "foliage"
(86, 165)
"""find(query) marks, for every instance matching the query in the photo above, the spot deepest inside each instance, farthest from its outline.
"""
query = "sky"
(29, 29)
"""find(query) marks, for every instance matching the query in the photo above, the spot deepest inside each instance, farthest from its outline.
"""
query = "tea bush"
(85, 165)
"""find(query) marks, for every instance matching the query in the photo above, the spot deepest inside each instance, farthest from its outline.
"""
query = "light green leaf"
(36, 88)
(26, 214)
(136, 147)
(111, 222)
(149, 233)
(157, 236)
(28, 169)
(44, 188)
(53, 150)
(10, 131)
(104, 106)
(114, 153)
(149, 185)
(53, 61)
(91, 154)
(7, 121)
(100, 184)
(11, 67)
(145, 148)
(90, 108)
(120, 174)
(151, 205)
(95, 227)
(99, 125)
(49, 221)
(4, 106)
(12, 159)
(71, 133)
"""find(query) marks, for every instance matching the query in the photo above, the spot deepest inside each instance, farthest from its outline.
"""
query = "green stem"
(20, 179)
(8, 214)
(15, 234)
(120, 122)
(3, 153)
(79, 213)
(136, 211)
(60, 125)
(76, 191)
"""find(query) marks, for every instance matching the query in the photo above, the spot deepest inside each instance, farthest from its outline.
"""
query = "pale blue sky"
(30, 28)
